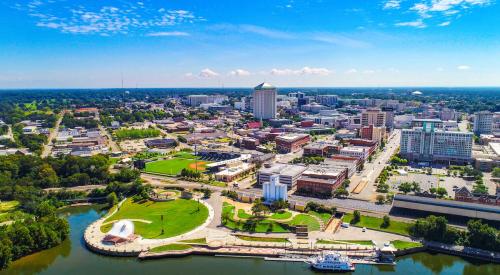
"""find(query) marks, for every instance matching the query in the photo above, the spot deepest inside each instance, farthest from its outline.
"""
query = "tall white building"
(274, 190)
(264, 101)
(483, 122)
(197, 100)
(430, 144)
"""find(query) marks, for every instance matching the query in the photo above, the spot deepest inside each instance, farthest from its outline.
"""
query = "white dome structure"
(122, 231)
(417, 93)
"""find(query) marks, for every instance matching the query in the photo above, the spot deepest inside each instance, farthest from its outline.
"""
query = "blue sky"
(201, 43)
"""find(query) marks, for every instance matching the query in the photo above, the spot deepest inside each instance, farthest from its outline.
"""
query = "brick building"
(291, 142)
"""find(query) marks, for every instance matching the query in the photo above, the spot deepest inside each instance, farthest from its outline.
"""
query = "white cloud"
(315, 71)
(351, 71)
(392, 4)
(417, 24)
(463, 67)
(239, 72)
(444, 24)
(368, 71)
(281, 72)
(444, 10)
(188, 75)
(173, 33)
(208, 73)
(304, 71)
(77, 18)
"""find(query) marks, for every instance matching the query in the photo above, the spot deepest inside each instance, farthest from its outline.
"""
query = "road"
(373, 169)
(47, 148)
(10, 134)
(341, 204)
(112, 144)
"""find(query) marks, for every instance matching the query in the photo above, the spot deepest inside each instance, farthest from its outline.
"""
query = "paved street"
(373, 169)
(47, 148)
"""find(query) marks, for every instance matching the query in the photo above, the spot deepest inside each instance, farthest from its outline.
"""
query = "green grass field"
(281, 216)
(8, 206)
(405, 245)
(175, 165)
(179, 216)
(196, 241)
(244, 215)
(325, 217)
(171, 247)
(122, 134)
(374, 223)
(252, 225)
(304, 219)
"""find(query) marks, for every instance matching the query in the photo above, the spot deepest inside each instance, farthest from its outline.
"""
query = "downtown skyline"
(90, 44)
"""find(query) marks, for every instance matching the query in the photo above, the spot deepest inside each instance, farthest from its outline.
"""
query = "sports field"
(175, 165)
(179, 216)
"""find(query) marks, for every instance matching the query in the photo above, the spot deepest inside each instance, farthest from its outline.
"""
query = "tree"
(356, 217)
(341, 192)
(496, 172)
(415, 186)
(441, 192)
(386, 222)
(258, 208)
(112, 199)
(279, 205)
(405, 187)
(380, 199)
(5, 253)
(482, 236)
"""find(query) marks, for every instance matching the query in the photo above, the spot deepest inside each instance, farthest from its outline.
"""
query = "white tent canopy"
(122, 229)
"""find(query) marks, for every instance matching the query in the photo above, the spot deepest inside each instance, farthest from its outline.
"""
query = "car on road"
(364, 229)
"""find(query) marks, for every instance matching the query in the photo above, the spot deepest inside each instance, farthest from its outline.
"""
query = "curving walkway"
(93, 237)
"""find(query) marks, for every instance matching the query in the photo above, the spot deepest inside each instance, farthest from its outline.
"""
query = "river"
(71, 257)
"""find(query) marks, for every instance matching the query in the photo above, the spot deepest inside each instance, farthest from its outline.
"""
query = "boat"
(331, 261)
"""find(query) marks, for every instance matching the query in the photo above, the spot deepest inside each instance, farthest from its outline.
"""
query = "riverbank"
(73, 257)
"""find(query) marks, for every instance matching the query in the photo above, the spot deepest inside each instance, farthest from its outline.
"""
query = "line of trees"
(24, 237)
(478, 234)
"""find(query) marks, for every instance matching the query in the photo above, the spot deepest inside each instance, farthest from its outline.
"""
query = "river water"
(71, 257)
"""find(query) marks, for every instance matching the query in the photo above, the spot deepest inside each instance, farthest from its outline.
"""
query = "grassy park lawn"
(325, 217)
(8, 206)
(175, 165)
(262, 239)
(179, 216)
(281, 215)
(270, 224)
(251, 225)
(374, 223)
(405, 245)
(171, 247)
(304, 219)
(123, 134)
(196, 241)
(242, 214)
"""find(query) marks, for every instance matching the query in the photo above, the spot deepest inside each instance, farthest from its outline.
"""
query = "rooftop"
(291, 137)
(264, 86)
(284, 169)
